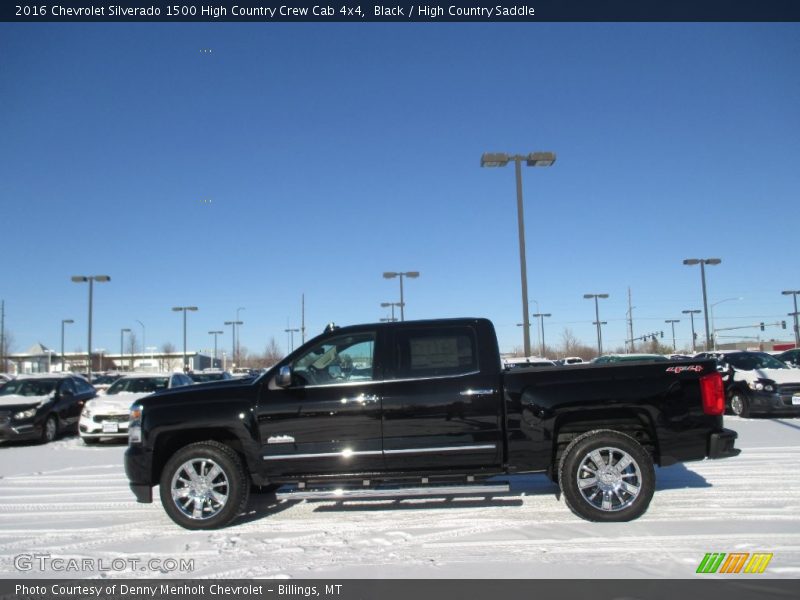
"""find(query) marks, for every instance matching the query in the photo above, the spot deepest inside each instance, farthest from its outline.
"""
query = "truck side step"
(396, 492)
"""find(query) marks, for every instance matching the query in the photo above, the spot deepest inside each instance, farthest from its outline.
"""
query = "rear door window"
(435, 352)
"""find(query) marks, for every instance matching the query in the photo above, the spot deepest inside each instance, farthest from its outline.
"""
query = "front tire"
(606, 476)
(740, 404)
(204, 486)
(49, 429)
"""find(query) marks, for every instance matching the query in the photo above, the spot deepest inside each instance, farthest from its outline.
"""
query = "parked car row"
(43, 406)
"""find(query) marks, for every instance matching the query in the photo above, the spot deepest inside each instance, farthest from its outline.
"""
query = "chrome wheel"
(200, 488)
(737, 405)
(609, 479)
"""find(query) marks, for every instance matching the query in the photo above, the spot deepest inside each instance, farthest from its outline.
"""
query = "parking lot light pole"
(236, 326)
(534, 159)
(121, 353)
(184, 309)
(703, 262)
(392, 304)
(233, 325)
(597, 320)
(672, 322)
(91, 279)
(794, 314)
(290, 337)
(392, 275)
(541, 317)
(143, 338)
(691, 314)
(215, 334)
(63, 322)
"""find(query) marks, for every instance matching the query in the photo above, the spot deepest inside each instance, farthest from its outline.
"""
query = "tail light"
(713, 393)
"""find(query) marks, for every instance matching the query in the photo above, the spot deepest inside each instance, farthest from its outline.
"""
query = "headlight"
(135, 424)
(25, 414)
(763, 385)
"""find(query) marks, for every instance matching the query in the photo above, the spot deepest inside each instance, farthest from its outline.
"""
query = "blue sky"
(306, 158)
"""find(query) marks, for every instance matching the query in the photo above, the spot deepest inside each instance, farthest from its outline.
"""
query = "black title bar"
(487, 11)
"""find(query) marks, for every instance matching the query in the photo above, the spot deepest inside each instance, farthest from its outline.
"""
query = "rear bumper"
(721, 444)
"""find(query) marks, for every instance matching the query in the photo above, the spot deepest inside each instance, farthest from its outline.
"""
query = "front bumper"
(15, 431)
(773, 403)
(721, 444)
(139, 469)
(91, 428)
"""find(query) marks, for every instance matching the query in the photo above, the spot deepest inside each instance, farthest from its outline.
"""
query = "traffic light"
(783, 324)
(762, 325)
(662, 334)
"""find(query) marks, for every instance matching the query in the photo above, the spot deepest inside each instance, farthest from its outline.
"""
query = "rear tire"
(204, 486)
(740, 404)
(606, 476)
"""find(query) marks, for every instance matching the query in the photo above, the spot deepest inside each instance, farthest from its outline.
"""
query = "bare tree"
(167, 363)
(6, 349)
(131, 350)
(272, 353)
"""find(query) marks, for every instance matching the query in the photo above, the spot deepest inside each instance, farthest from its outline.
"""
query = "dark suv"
(39, 407)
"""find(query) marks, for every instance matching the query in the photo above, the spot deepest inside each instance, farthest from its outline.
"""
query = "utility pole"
(303, 318)
(630, 319)
(2, 335)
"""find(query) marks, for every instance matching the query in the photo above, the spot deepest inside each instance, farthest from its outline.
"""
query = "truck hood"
(777, 375)
(16, 400)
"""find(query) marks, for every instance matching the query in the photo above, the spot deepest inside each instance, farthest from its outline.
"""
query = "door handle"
(478, 392)
(280, 439)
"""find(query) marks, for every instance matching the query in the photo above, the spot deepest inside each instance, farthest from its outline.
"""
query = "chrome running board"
(406, 492)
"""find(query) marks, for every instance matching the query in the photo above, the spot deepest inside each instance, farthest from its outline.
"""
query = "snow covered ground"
(70, 501)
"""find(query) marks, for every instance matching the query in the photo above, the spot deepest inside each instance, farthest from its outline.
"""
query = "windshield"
(28, 387)
(755, 360)
(138, 385)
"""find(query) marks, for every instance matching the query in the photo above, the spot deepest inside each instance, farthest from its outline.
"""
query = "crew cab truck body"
(423, 402)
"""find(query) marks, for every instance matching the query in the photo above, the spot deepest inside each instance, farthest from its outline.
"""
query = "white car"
(107, 415)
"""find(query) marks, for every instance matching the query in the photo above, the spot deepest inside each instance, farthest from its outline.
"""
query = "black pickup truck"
(416, 406)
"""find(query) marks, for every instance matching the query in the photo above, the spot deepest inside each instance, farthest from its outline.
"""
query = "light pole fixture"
(794, 314)
(215, 334)
(691, 314)
(534, 159)
(672, 322)
(703, 262)
(183, 309)
(597, 320)
(392, 304)
(91, 279)
(392, 275)
(63, 322)
(233, 325)
(541, 317)
(122, 332)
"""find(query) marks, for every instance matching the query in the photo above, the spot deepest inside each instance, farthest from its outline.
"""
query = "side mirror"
(284, 378)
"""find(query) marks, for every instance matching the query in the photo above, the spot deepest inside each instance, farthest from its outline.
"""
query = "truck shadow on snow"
(264, 504)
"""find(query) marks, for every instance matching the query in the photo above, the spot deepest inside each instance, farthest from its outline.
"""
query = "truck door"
(329, 419)
(440, 410)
